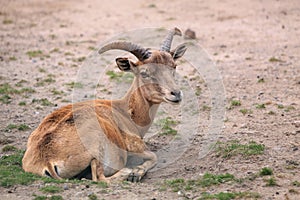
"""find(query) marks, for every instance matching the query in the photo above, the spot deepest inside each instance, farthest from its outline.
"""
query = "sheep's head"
(154, 70)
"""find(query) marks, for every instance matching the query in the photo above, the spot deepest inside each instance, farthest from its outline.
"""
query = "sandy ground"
(241, 37)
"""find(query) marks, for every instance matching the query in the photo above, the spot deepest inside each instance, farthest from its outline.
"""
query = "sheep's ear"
(178, 51)
(125, 64)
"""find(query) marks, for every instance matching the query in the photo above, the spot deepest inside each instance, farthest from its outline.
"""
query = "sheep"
(94, 138)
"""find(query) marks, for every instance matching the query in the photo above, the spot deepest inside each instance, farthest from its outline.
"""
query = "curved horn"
(166, 45)
(140, 52)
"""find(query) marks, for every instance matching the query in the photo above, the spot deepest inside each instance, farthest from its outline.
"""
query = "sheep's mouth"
(173, 100)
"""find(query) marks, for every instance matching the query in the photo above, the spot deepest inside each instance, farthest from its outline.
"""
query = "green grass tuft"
(51, 189)
(230, 195)
(6, 99)
(245, 111)
(22, 103)
(34, 54)
(93, 197)
(234, 103)
(232, 148)
(273, 59)
(54, 197)
(6, 89)
(166, 125)
(206, 180)
(271, 182)
(73, 85)
(266, 171)
(296, 183)
(20, 127)
(8, 148)
(7, 21)
(260, 106)
(11, 172)
(43, 102)
(120, 76)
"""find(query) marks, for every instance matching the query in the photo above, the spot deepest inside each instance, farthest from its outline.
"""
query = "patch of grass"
(198, 91)
(27, 90)
(42, 70)
(206, 108)
(20, 83)
(280, 106)
(260, 106)
(114, 75)
(170, 19)
(176, 184)
(274, 59)
(6, 88)
(69, 54)
(6, 99)
(266, 171)
(43, 102)
(293, 191)
(23, 127)
(40, 198)
(73, 85)
(289, 108)
(261, 80)
(22, 103)
(54, 197)
(152, 5)
(93, 197)
(271, 113)
(296, 183)
(20, 127)
(11, 172)
(233, 148)
(12, 58)
(245, 111)
(92, 48)
(57, 92)
(34, 54)
(46, 81)
(120, 76)
(51, 189)
(80, 59)
(52, 36)
(11, 126)
(7, 21)
(55, 50)
(8, 148)
(166, 125)
(271, 182)
(102, 184)
(234, 103)
(213, 179)
(206, 180)
(230, 195)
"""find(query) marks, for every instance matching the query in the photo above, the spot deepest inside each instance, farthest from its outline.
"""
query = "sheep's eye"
(144, 74)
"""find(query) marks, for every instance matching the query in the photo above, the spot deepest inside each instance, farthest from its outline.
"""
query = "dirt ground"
(255, 45)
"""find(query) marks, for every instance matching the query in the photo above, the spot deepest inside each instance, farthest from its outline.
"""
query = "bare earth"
(244, 38)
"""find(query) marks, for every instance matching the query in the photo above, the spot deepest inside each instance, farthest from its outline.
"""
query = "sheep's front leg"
(150, 160)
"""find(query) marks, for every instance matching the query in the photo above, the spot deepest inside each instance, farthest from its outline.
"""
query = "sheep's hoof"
(136, 175)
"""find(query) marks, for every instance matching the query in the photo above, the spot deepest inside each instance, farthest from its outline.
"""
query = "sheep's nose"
(177, 95)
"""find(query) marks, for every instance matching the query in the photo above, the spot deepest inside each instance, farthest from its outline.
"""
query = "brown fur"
(68, 141)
